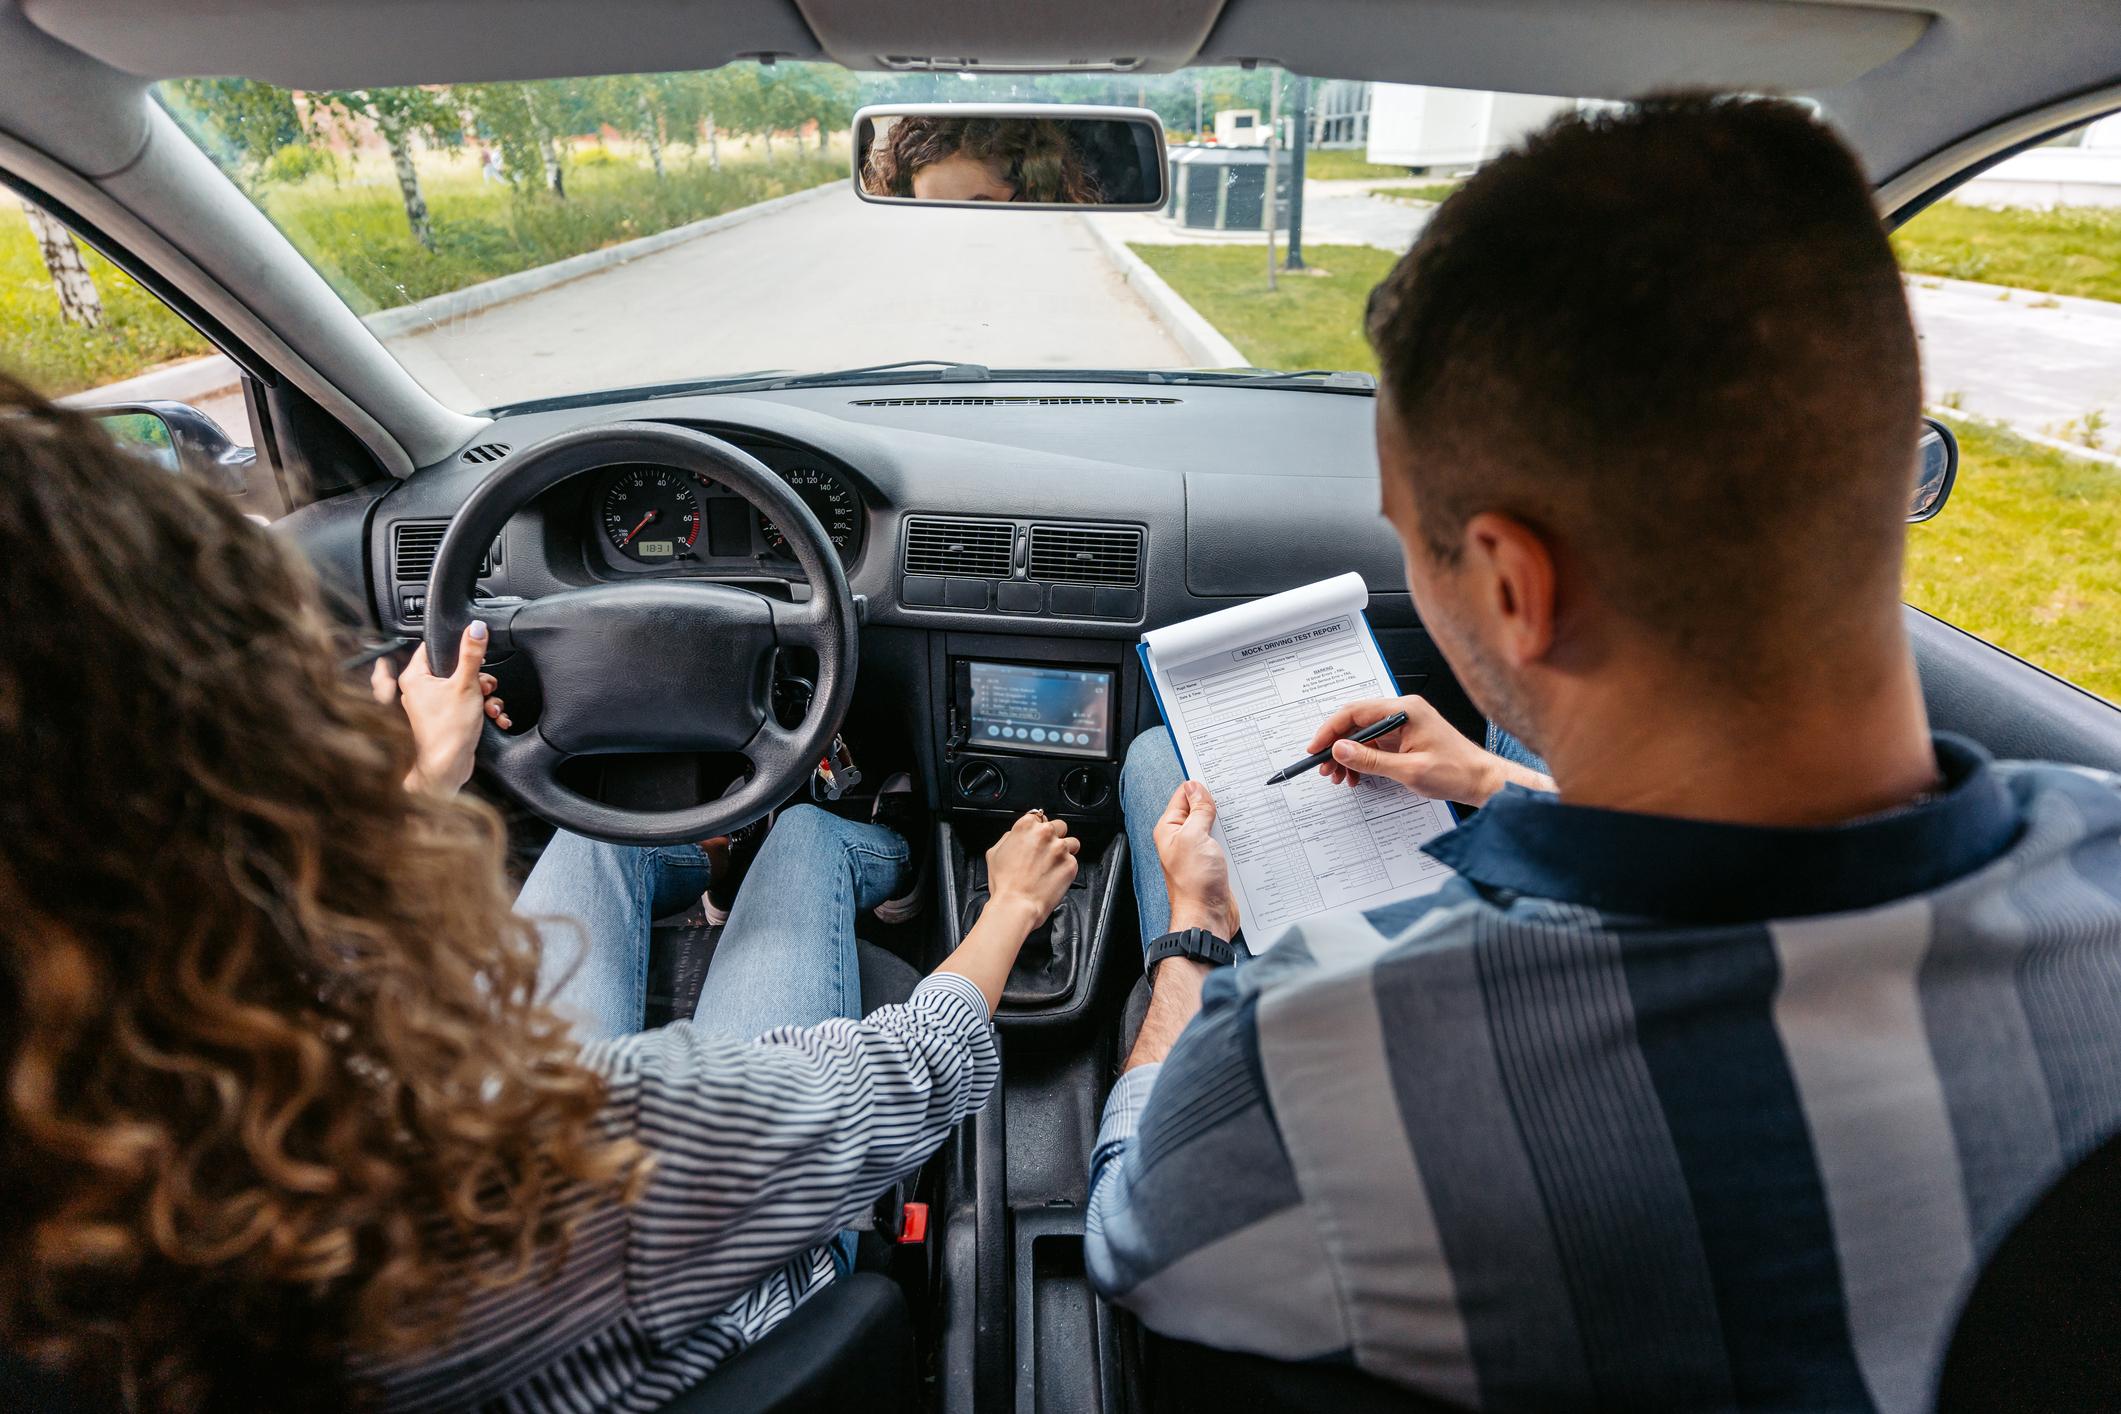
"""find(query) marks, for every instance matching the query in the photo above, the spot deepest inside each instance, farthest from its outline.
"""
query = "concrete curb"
(204, 377)
(191, 381)
(2072, 449)
(1202, 341)
(475, 299)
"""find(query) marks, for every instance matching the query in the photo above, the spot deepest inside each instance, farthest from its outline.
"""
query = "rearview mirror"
(179, 438)
(1936, 468)
(1042, 156)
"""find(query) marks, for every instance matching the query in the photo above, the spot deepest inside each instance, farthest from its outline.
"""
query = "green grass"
(1338, 164)
(2066, 251)
(57, 358)
(2022, 556)
(358, 239)
(1312, 321)
(1428, 193)
(356, 235)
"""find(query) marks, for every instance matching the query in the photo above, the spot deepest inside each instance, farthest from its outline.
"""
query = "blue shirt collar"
(1656, 866)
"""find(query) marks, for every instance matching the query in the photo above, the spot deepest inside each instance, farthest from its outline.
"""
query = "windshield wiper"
(946, 371)
(912, 370)
(938, 370)
(907, 370)
(1339, 379)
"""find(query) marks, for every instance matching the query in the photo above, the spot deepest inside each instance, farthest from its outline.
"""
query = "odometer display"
(830, 499)
(652, 514)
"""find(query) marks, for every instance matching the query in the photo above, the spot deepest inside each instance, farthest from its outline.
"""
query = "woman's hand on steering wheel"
(1032, 864)
(445, 712)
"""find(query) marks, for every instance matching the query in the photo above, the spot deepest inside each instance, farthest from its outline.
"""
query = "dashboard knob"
(1085, 788)
(981, 780)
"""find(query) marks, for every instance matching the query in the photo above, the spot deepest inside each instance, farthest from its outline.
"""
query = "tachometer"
(652, 514)
(830, 499)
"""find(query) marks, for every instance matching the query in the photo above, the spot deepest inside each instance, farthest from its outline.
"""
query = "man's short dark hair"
(1671, 336)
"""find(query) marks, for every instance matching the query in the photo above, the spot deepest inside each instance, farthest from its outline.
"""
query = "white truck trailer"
(1439, 129)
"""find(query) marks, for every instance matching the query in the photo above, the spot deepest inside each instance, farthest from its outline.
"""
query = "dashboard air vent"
(1086, 554)
(412, 551)
(1008, 402)
(979, 548)
(487, 452)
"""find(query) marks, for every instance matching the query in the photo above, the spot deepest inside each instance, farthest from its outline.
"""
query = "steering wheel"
(651, 665)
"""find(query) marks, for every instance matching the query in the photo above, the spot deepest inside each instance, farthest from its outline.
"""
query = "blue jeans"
(786, 957)
(1147, 782)
(1148, 779)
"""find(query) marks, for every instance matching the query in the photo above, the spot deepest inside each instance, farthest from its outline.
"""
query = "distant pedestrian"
(490, 164)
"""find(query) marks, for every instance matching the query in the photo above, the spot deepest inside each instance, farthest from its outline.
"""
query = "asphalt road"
(829, 283)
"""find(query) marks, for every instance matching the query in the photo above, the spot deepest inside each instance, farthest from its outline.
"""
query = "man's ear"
(1509, 572)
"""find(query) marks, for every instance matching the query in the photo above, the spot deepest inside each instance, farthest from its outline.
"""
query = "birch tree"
(78, 301)
(399, 114)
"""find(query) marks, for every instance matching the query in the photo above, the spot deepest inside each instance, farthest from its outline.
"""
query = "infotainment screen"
(1047, 711)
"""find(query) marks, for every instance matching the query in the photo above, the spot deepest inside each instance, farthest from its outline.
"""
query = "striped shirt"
(1639, 1112)
(763, 1151)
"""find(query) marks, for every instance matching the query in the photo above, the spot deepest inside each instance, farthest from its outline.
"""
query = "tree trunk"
(766, 137)
(821, 135)
(400, 142)
(649, 130)
(78, 301)
(555, 179)
(714, 147)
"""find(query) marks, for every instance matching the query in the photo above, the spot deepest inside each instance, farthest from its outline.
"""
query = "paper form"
(1243, 690)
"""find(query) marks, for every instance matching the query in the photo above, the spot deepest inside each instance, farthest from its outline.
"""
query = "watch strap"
(1196, 943)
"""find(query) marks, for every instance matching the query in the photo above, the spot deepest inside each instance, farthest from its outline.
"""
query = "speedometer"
(652, 514)
(830, 499)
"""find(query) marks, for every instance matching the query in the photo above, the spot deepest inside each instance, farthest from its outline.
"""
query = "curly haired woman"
(290, 1120)
(979, 159)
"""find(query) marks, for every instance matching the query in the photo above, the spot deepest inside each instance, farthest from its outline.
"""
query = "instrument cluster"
(647, 518)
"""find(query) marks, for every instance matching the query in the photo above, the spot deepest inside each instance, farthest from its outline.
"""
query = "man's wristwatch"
(1196, 943)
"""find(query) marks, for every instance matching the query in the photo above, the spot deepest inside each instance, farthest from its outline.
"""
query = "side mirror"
(1040, 156)
(1936, 468)
(180, 439)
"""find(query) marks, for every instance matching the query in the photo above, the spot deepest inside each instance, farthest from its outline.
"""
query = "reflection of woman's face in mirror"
(963, 177)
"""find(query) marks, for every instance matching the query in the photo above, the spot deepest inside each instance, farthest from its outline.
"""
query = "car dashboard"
(1036, 526)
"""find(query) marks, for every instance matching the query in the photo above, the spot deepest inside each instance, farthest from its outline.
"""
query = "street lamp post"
(1298, 143)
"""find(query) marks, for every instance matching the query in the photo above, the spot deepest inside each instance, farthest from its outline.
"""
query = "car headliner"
(1920, 90)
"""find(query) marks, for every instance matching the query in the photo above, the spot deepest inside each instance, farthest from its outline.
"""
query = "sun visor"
(355, 43)
(1097, 36)
(1571, 48)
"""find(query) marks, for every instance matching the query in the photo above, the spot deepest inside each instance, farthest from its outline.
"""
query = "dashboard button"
(1077, 599)
(1119, 603)
(1018, 596)
(961, 593)
(921, 590)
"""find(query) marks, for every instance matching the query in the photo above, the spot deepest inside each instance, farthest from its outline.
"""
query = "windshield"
(516, 242)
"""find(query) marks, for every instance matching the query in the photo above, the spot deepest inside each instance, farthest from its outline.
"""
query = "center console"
(1034, 723)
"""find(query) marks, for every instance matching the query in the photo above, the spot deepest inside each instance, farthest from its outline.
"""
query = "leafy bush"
(298, 162)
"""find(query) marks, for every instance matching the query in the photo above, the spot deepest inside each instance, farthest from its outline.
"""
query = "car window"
(2015, 281)
(72, 325)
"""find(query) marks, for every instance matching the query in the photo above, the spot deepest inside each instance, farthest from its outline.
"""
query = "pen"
(1319, 758)
(368, 655)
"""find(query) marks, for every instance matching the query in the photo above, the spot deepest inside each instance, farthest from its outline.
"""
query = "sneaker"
(897, 809)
